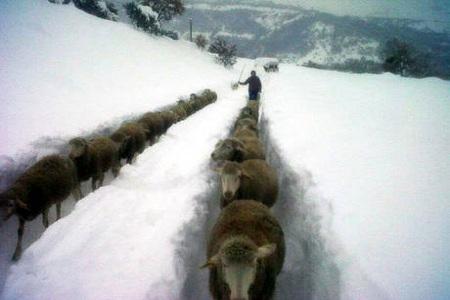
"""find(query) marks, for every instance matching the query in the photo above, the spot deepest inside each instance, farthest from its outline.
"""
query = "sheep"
(248, 123)
(154, 125)
(248, 112)
(236, 150)
(169, 118)
(181, 112)
(48, 182)
(183, 105)
(92, 159)
(245, 253)
(131, 138)
(245, 133)
(209, 96)
(250, 179)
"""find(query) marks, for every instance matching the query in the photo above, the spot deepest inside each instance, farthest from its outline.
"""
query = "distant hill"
(301, 36)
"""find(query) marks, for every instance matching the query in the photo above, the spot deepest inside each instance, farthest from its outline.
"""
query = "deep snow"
(64, 72)
(377, 148)
(363, 163)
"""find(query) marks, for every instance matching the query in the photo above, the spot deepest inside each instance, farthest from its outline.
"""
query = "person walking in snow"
(254, 86)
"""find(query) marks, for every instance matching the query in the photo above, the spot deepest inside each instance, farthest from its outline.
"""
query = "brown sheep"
(248, 112)
(251, 179)
(209, 96)
(246, 251)
(183, 105)
(169, 118)
(92, 159)
(154, 125)
(244, 133)
(131, 138)
(237, 150)
(48, 182)
(247, 123)
(181, 112)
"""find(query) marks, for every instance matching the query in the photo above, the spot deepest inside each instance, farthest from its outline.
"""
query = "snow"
(377, 148)
(120, 241)
(85, 72)
(368, 156)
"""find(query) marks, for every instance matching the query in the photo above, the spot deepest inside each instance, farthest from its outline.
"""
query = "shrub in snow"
(59, 1)
(226, 52)
(99, 8)
(201, 41)
(401, 58)
(170, 34)
(143, 17)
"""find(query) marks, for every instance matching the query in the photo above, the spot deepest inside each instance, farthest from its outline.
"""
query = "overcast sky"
(415, 9)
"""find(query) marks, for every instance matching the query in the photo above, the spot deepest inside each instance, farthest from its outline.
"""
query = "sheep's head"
(226, 149)
(10, 203)
(237, 262)
(230, 177)
(78, 147)
(247, 123)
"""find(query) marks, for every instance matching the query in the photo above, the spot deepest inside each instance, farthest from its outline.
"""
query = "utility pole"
(190, 29)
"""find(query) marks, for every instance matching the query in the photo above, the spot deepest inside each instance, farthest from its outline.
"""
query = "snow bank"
(378, 149)
(120, 241)
(64, 72)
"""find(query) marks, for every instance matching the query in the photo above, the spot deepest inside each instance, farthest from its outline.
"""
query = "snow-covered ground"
(64, 72)
(362, 159)
(377, 147)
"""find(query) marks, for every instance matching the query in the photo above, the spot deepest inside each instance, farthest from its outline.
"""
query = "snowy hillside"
(372, 155)
(362, 162)
(85, 71)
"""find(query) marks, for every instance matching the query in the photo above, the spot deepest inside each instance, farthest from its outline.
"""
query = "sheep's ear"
(20, 204)
(266, 250)
(212, 262)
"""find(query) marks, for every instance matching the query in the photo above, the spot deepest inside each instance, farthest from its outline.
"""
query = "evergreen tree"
(98, 8)
(403, 59)
(166, 9)
(143, 17)
(226, 52)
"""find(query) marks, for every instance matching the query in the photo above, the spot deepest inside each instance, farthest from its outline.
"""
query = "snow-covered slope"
(85, 71)
(378, 151)
(363, 165)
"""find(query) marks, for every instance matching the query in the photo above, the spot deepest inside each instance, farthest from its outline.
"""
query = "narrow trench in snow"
(309, 271)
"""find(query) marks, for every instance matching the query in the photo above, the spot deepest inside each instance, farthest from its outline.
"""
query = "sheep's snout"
(228, 195)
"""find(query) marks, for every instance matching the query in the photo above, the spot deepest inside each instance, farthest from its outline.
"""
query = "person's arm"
(259, 86)
(245, 82)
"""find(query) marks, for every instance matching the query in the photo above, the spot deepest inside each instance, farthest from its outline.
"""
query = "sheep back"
(47, 182)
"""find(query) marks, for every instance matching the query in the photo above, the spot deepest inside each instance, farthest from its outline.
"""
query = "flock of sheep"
(53, 178)
(246, 247)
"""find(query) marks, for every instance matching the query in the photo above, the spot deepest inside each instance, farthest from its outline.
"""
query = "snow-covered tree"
(143, 17)
(166, 9)
(403, 59)
(99, 8)
(226, 52)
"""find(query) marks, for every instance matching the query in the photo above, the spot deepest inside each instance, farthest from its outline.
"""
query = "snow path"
(120, 242)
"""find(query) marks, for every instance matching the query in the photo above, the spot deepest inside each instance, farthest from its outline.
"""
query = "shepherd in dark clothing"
(254, 86)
